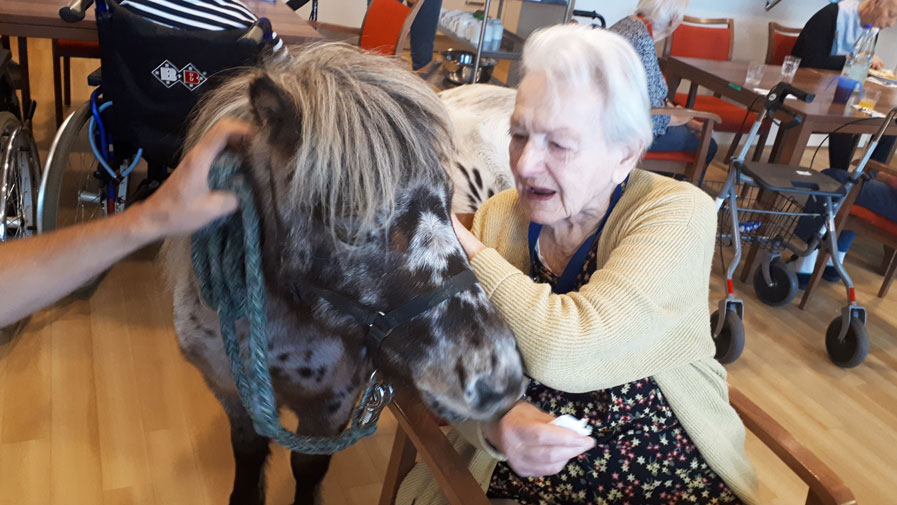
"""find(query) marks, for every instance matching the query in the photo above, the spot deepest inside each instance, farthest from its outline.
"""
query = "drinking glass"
(754, 75)
(869, 99)
(789, 68)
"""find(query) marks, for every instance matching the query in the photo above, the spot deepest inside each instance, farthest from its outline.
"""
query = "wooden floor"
(98, 407)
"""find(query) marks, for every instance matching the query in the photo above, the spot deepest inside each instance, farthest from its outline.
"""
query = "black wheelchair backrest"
(154, 75)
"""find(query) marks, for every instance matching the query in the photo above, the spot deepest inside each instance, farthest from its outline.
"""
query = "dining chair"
(713, 39)
(707, 38)
(385, 27)
(63, 51)
(780, 42)
(418, 433)
(692, 165)
(865, 223)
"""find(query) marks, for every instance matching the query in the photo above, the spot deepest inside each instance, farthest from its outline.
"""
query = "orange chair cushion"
(782, 44)
(690, 41)
(874, 219)
(731, 114)
(78, 49)
(382, 26)
(674, 156)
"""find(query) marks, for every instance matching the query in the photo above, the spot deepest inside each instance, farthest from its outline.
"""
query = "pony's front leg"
(309, 471)
(327, 418)
(250, 454)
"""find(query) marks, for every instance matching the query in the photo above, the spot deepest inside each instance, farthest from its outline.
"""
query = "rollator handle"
(889, 119)
(783, 89)
(74, 11)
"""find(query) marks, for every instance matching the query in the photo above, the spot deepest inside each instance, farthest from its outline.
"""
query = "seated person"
(878, 195)
(824, 43)
(423, 33)
(198, 15)
(655, 20)
(602, 271)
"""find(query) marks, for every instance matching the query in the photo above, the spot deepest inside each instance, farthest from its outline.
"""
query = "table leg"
(692, 95)
(776, 148)
(57, 83)
(792, 143)
(23, 66)
(673, 81)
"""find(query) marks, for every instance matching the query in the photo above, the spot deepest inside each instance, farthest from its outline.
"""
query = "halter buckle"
(381, 395)
(378, 330)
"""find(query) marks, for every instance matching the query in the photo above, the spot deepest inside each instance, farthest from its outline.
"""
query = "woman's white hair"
(664, 15)
(604, 62)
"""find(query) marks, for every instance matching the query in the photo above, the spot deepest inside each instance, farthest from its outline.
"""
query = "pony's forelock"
(377, 128)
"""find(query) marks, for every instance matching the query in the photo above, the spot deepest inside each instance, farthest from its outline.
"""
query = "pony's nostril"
(485, 394)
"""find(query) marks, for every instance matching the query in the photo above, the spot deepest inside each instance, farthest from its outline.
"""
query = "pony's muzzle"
(489, 395)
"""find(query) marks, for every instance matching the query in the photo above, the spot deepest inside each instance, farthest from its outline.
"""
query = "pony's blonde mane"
(367, 128)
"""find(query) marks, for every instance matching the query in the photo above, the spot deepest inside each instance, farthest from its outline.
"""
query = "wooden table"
(821, 116)
(40, 19)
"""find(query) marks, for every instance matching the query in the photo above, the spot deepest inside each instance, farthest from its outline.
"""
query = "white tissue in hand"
(580, 426)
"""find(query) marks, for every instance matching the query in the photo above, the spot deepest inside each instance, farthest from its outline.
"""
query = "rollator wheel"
(783, 288)
(22, 178)
(851, 351)
(730, 341)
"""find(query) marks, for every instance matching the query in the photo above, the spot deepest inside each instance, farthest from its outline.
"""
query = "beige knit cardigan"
(644, 312)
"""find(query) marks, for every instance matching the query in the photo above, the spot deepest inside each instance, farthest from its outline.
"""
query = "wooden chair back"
(706, 38)
(780, 43)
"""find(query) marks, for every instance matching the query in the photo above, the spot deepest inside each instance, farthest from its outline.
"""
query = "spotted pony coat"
(459, 356)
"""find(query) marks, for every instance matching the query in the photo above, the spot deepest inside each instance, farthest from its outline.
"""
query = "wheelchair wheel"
(19, 158)
(70, 191)
(851, 351)
(730, 341)
(783, 288)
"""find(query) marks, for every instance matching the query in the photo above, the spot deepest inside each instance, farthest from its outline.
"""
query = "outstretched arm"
(37, 271)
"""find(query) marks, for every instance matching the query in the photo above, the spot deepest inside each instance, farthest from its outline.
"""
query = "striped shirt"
(210, 15)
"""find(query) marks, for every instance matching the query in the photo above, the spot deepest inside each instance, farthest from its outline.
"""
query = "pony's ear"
(274, 112)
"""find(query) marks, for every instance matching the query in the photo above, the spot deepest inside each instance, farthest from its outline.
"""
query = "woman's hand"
(533, 446)
(184, 203)
(469, 242)
(876, 63)
(679, 119)
(694, 125)
(889, 180)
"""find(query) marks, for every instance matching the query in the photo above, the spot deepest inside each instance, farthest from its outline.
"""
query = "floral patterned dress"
(642, 456)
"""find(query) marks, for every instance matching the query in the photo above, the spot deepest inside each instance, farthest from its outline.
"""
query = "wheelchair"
(19, 159)
(149, 79)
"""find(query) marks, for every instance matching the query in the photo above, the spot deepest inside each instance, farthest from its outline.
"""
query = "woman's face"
(563, 167)
(879, 13)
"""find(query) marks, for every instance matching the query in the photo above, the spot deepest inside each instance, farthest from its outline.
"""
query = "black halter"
(380, 325)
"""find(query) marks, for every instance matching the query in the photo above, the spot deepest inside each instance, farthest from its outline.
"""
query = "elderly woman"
(653, 21)
(602, 271)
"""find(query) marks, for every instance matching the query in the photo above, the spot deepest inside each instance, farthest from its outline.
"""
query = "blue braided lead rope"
(227, 261)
